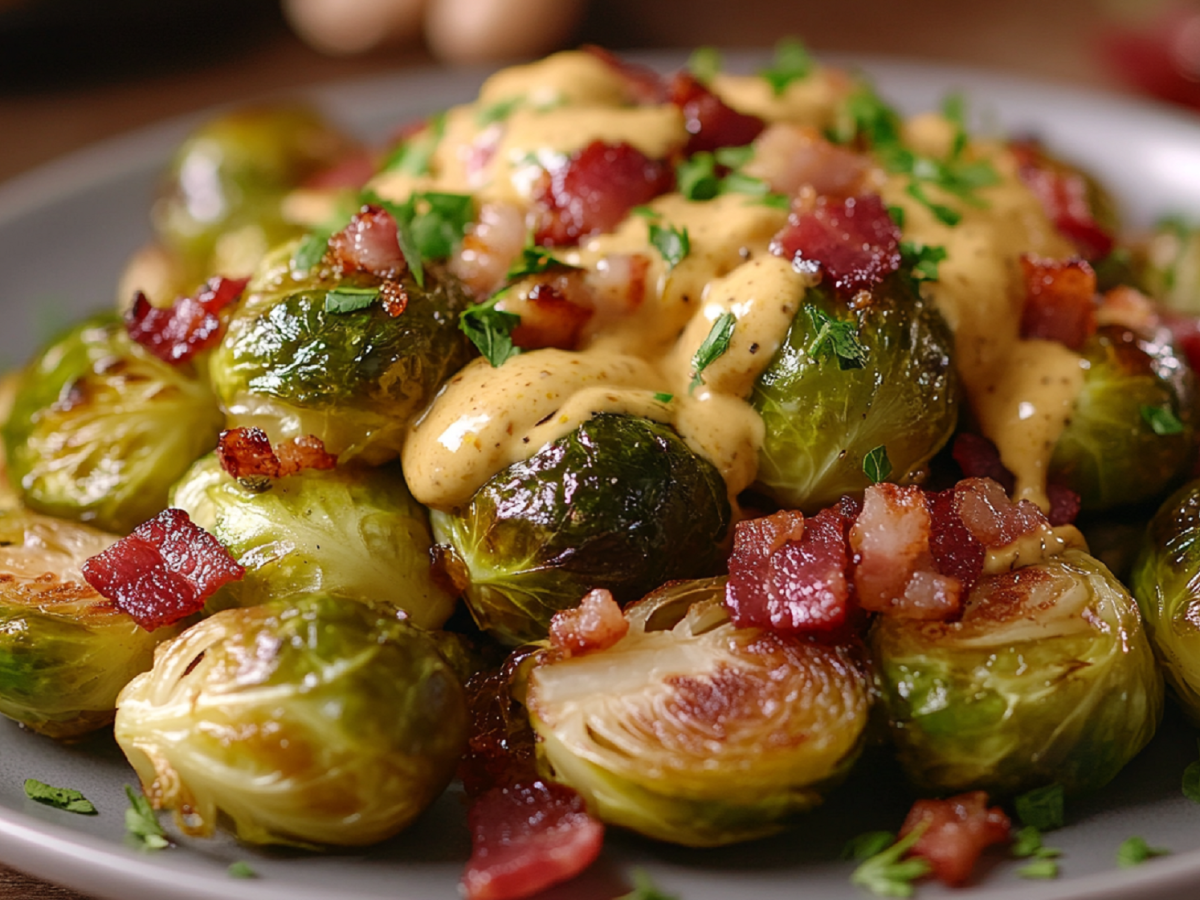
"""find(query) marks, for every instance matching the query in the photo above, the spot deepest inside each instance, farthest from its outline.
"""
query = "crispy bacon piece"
(189, 326)
(789, 573)
(791, 157)
(979, 458)
(1064, 197)
(369, 243)
(958, 829)
(165, 570)
(595, 190)
(1060, 300)
(527, 837)
(247, 453)
(854, 241)
(553, 314)
(708, 119)
(596, 624)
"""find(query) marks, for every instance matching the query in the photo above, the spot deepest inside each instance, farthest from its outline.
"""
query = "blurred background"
(74, 71)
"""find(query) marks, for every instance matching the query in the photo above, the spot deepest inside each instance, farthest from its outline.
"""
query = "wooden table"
(1052, 40)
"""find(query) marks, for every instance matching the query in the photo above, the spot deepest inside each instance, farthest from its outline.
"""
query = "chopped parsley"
(1028, 842)
(1042, 808)
(349, 299)
(954, 109)
(535, 260)
(672, 243)
(429, 225)
(490, 330)
(699, 177)
(644, 888)
(314, 244)
(941, 212)
(705, 63)
(67, 799)
(241, 869)
(837, 338)
(792, 63)
(876, 465)
(866, 845)
(497, 112)
(889, 875)
(412, 157)
(921, 260)
(1040, 868)
(1161, 419)
(1134, 851)
(696, 177)
(713, 346)
(662, 397)
(141, 824)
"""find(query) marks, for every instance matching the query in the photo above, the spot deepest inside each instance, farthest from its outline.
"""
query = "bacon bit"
(489, 248)
(1128, 308)
(394, 297)
(708, 119)
(191, 325)
(991, 517)
(957, 830)
(527, 837)
(1064, 197)
(789, 574)
(369, 244)
(1060, 300)
(854, 241)
(791, 157)
(500, 748)
(247, 453)
(550, 315)
(1064, 505)
(165, 570)
(646, 87)
(595, 190)
(956, 552)
(895, 570)
(596, 624)
(979, 458)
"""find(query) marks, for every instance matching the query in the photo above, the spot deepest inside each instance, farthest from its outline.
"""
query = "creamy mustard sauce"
(640, 360)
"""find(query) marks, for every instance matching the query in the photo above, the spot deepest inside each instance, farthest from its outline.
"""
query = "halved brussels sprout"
(65, 651)
(292, 366)
(1166, 583)
(219, 204)
(351, 531)
(825, 409)
(1048, 677)
(315, 720)
(620, 503)
(1132, 430)
(101, 429)
(693, 731)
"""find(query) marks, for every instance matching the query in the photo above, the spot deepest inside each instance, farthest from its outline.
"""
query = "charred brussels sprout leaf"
(316, 720)
(101, 429)
(219, 204)
(291, 365)
(1132, 431)
(1164, 580)
(620, 503)
(847, 381)
(65, 651)
(693, 731)
(352, 531)
(1048, 677)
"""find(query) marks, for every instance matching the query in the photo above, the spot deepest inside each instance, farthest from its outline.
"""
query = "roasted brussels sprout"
(1132, 431)
(693, 731)
(291, 365)
(101, 429)
(65, 651)
(314, 720)
(1164, 581)
(826, 407)
(1048, 677)
(219, 204)
(620, 503)
(351, 531)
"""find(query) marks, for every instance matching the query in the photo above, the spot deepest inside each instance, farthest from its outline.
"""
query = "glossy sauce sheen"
(1021, 391)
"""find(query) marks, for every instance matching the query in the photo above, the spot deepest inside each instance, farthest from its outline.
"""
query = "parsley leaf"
(865, 118)
(792, 63)
(734, 157)
(887, 874)
(663, 397)
(644, 888)
(1039, 868)
(866, 845)
(1161, 419)
(312, 247)
(705, 63)
(672, 243)
(141, 823)
(715, 344)
(1134, 851)
(876, 465)
(1028, 842)
(941, 212)
(954, 108)
(497, 112)
(67, 799)
(349, 299)
(412, 157)
(1042, 807)
(921, 260)
(490, 330)
(429, 225)
(534, 261)
(241, 869)
(837, 338)
(696, 177)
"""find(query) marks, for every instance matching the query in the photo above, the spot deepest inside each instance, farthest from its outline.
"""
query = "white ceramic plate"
(65, 231)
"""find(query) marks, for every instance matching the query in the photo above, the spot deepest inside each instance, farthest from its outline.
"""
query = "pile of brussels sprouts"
(320, 700)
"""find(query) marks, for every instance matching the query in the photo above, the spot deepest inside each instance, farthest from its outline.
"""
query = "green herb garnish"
(644, 888)
(141, 823)
(1042, 808)
(1134, 851)
(866, 845)
(497, 112)
(349, 299)
(412, 157)
(705, 64)
(792, 63)
(1161, 419)
(241, 869)
(887, 874)
(662, 397)
(672, 243)
(715, 344)
(490, 330)
(876, 465)
(429, 225)
(534, 261)
(1040, 868)
(921, 260)
(835, 337)
(67, 799)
